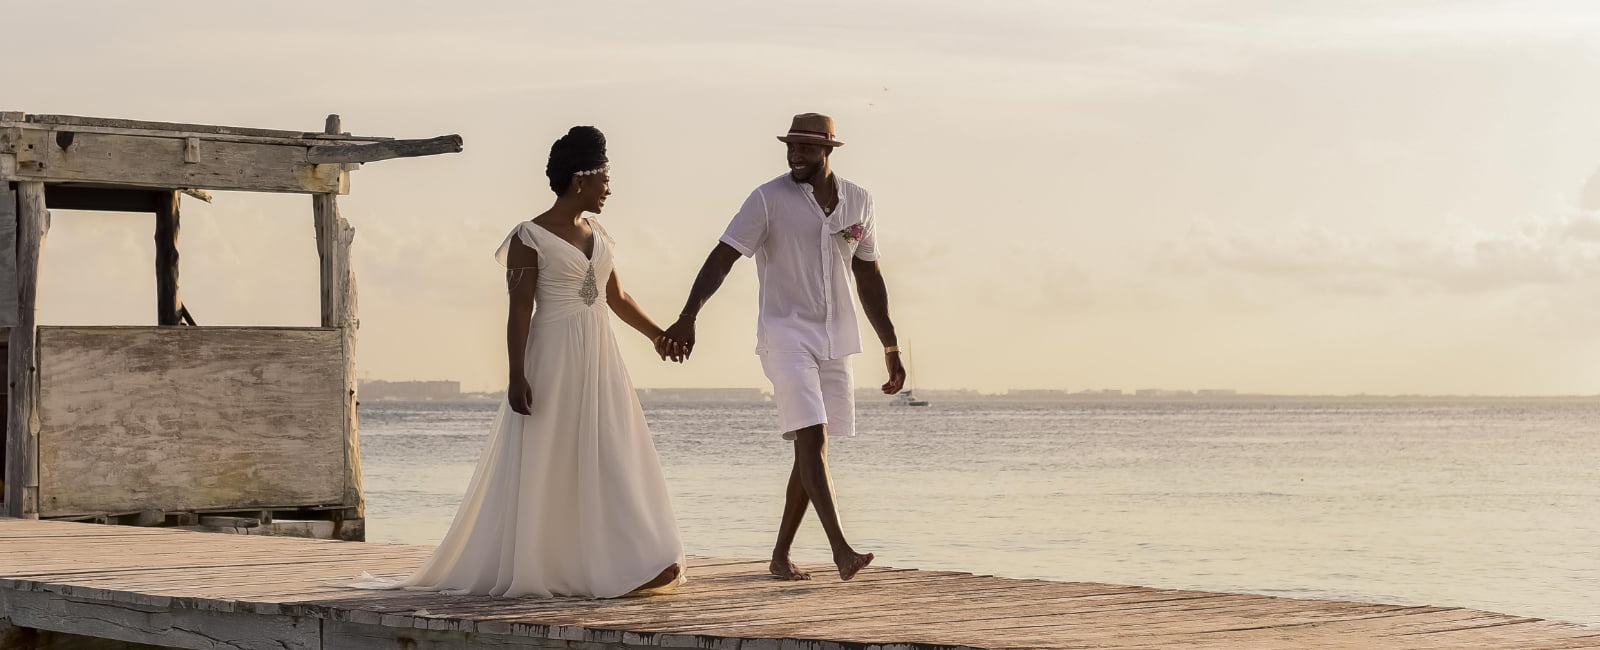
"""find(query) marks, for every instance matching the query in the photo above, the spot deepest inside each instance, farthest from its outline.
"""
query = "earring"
(580, 190)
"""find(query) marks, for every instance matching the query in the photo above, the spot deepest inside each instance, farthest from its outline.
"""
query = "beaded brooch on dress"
(590, 289)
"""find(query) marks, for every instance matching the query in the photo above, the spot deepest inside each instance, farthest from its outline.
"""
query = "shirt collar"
(838, 184)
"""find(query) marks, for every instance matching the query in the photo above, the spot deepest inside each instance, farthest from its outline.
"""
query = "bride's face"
(596, 187)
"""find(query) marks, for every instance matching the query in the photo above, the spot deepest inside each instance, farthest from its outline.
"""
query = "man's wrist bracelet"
(891, 349)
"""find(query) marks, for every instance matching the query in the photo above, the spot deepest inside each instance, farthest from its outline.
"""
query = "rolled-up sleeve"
(867, 249)
(748, 230)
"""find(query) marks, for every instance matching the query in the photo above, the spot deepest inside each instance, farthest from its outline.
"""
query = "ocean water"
(1484, 503)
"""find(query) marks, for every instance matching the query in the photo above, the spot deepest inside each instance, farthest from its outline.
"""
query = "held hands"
(670, 349)
(520, 395)
(897, 373)
(677, 342)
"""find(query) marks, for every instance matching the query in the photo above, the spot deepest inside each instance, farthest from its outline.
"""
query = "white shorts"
(811, 391)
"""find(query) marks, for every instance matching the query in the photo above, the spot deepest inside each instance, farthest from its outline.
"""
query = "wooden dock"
(212, 591)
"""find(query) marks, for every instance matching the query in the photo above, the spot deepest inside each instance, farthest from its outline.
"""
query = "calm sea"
(1484, 503)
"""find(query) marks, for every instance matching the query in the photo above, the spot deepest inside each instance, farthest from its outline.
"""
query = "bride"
(568, 498)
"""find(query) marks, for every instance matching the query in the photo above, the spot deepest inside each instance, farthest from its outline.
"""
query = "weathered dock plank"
(199, 590)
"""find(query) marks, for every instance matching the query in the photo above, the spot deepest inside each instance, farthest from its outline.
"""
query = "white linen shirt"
(803, 262)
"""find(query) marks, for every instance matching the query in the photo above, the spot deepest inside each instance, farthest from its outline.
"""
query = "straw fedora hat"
(811, 128)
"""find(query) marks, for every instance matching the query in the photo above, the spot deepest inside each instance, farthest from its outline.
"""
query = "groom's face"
(806, 160)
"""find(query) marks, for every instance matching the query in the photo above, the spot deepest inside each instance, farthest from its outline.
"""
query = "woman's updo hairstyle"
(582, 149)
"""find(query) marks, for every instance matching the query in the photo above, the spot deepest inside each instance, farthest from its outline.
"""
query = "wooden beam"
(159, 163)
(169, 306)
(363, 153)
(177, 628)
(303, 140)
(67, 197)
(175, 130)
(334, 236)
(76, 120)
(22, 421)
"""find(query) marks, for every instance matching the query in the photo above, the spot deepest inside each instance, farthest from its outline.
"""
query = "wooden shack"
(177, 423)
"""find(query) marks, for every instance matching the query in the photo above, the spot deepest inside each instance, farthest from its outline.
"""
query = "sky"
(1275, 196)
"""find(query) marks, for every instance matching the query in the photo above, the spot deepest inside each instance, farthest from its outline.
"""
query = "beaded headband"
(598, 170)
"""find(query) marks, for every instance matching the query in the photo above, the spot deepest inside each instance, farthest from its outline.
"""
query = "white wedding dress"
(568, 501)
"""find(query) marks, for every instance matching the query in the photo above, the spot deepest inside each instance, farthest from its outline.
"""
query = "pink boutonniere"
(853, 233)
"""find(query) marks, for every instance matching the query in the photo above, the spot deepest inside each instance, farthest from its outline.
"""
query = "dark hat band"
(801, 133)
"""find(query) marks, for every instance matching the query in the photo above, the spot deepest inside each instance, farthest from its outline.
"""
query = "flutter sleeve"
(523, 233)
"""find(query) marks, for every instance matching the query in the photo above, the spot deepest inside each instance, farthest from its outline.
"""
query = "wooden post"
(22, 420)
(8, 310)
(325, 212)
(168, 305)
(334, 236)
(8, 260)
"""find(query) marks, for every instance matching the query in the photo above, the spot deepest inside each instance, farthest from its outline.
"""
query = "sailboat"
(907, 397)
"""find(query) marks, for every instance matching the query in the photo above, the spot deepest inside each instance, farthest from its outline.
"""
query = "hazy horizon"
(1082, 392)
(1290, 197)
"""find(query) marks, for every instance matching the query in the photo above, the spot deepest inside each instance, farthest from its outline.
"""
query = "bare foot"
(853, 564)
(668, 576)
(784, 569)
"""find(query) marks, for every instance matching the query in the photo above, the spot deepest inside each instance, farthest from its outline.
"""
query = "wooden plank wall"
(144, 418)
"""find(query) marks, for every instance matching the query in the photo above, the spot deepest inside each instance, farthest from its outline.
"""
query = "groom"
(810, 231)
